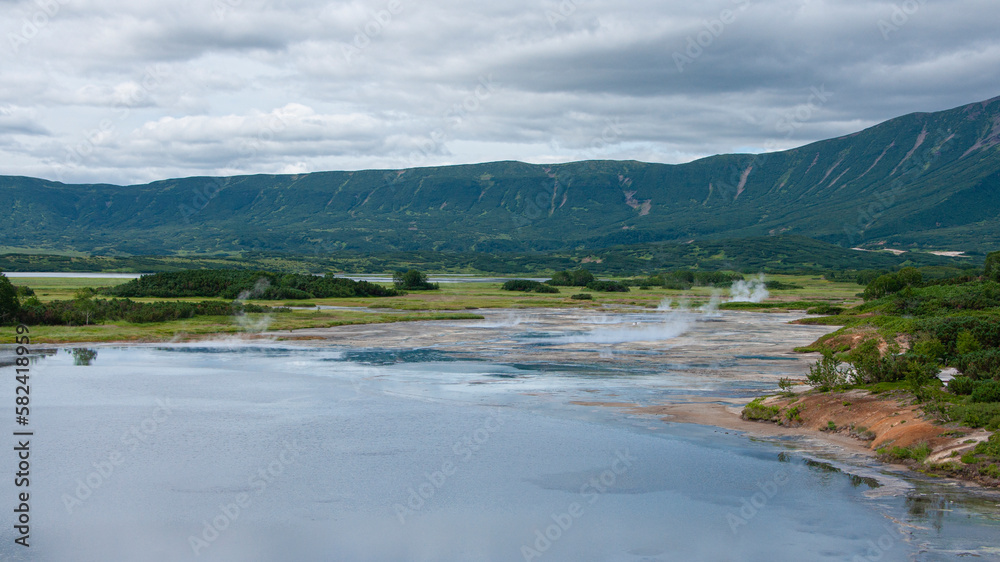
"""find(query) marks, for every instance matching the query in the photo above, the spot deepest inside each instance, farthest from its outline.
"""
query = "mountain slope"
(929, 179)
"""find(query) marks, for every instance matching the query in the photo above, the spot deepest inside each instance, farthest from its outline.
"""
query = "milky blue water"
(269, 451)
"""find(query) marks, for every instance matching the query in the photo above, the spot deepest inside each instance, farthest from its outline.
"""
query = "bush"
(868, 365)
(972, 415)
(10, 305)
(93, 311)
(980, 365)
(527, 286)
(412, 280)
(825, 309)
(757, 410)
(576, 278)
(827, 374)
(986, 391)
(779, 286)
(984, 330)
(966, 343)
(793, 414)
(918, 452)
(961, 386)
(991, 269)
(885, 285)
(930, 348)
(583, 297)
(608, 286)
(233, 284)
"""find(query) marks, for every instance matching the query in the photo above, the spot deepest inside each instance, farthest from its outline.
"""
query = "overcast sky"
(133, 91)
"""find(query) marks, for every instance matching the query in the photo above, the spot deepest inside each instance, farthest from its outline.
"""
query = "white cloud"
(109, 90)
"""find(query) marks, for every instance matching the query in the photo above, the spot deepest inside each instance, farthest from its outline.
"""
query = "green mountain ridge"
(926, 180)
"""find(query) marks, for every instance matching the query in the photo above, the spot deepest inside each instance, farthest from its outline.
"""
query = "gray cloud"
(116, 91)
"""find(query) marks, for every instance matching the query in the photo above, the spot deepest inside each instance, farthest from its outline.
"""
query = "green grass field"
(453, 301)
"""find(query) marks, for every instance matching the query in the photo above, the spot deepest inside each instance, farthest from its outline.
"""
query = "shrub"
(583, 297)
(608, 286)
(885, 285)
(991, 269)
(825, 309)
(980, 365)
(930, 348)
(985, 331)
(757, 410)
(412, 280)
(966, 343)
(527, 286)
(827, 373)
(785, 384)
(986, 391)
(232, 284)
(576, 278)
(10, 305)
(961, 386)
(793, 414)
(918, 452)
(779, 286)
(972, 415)
(990, 447)
(870, 367)
(918, 374)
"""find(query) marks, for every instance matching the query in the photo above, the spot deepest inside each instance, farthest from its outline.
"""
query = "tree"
(576, 278)
(991, 270)
(10, 305)
(84, 304)
(412, 280)
(891, 283)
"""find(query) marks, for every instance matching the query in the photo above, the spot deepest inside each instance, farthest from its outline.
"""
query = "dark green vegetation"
(233, 284)
(772, 254)
(85, 311)
(20, 305)
(906, 332)
(528, 286)
(925, 179)
(411, 280)
(577, 278)
(608, 286)
(686, 279)
(756, 410)
(10, 304)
